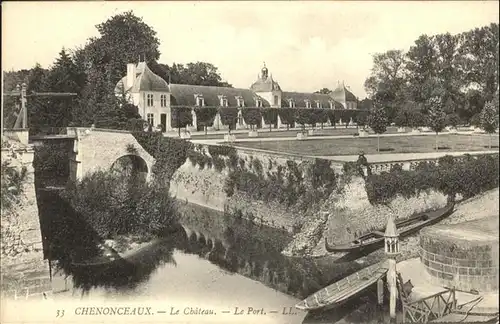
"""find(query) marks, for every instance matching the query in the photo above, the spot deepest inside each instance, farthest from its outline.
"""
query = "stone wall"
(25, 273)
(462, 255)
(97, 149)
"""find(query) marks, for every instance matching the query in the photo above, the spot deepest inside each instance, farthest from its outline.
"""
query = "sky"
(305, 45)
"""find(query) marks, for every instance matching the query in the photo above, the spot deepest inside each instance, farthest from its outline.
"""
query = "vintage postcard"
(287, 162)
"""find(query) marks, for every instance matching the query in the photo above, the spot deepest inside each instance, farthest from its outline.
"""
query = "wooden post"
(380, 291)
(391, 281)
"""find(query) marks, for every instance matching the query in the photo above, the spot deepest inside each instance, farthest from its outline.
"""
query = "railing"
(426, 309)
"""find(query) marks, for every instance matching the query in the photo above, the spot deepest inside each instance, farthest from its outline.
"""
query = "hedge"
(228, 116)
(205, 115)
(467, 176)
(181, 117)
(287, 115)
(251, 116)
(270, 115)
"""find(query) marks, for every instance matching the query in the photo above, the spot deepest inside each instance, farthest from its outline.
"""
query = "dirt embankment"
(350, 214)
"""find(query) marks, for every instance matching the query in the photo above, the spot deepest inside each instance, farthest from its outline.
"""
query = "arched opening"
(132, 167)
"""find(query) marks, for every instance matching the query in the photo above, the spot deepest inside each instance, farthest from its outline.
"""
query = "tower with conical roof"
(343, 95)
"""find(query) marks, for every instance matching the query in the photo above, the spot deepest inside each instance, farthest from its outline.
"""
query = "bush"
(452, 120)
(251, 116)
(228, 116)
(114, 205)
(466, 176)
(287, 115)
(205, 115)
(270, 115)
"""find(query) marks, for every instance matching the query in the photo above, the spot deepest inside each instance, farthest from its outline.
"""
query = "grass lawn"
(264, 132)
(392, 144)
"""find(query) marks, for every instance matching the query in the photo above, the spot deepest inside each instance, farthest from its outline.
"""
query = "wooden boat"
(405, 227)
(344, 289)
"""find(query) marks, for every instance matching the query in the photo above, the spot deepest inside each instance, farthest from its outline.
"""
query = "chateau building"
(155, 98)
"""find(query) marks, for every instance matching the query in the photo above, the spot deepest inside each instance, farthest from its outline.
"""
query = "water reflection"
(233, 245)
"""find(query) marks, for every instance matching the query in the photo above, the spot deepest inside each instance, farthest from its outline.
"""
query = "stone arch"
(131, 165)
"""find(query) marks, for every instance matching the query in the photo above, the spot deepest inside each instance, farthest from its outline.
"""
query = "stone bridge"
(97, 149)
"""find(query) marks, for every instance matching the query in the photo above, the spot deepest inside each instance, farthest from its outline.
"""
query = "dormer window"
(308, 103)
(258, 103)
(332, 105)
(240, 101)
(291, 103)
(200, 101)
(223, 101)
(318, 104)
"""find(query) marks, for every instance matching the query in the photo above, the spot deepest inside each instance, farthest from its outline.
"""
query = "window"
(149, 100)
(308, 103)
(291, 103)
(318, 104)
(151, 119)
(241, 102)
(276, 100)
(200, 102)
(163, 100)
(258, 103)
(223, 101)
(332, 105)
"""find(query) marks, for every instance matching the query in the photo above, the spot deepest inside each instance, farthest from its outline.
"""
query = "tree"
(324, 91)
(251, 116)
(415, 118)
(228, 116)
(361, 118)
(386, 81)
(421, 66)
(181, 117)
(320, 116)
(205, 116)
(489, 118)
(436, 119)
(378, 123)
(401, 119)
(270, 116)
(303, 116)
(452, 120)
(198, 73)
(287, 116)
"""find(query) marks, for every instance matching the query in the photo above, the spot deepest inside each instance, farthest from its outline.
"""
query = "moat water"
(213, 263)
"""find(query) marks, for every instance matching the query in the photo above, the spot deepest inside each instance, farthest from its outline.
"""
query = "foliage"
(125, 117)
(319, 116)
(452, 120)
(12, 185)
(287, 115)
(51, 160)
(401, 119)
(378, 121)
(461, 69)
(361, 118)
(170, 153)
(181, 117)
(436, 119)
(489, 117)
(115, 205)
(467, 176)
(415, 118)
(205, 115)
(303, 116)
(251, 116)
(270, 115)
(197, 73)
(228, 116)
(324, 91)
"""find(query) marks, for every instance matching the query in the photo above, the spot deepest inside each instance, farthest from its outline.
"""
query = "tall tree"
(436, 118)
(489, 117)
(378, 123)
(198, 73)
(421, 66)
(386, 81)
(324, 91)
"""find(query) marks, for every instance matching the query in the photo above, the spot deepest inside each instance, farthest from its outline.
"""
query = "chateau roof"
(184, 95)
(341, 93)
(301, 97)
(265, 84)
(145, 80)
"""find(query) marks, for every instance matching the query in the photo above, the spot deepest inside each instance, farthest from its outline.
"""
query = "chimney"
(130, 75)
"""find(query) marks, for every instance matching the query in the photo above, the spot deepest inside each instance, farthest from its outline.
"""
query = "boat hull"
(411, 225)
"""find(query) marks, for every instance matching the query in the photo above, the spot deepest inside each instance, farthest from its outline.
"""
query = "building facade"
(155, 98)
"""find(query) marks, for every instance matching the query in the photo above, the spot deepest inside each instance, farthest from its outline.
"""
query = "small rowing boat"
(344, 289)
(405, 227)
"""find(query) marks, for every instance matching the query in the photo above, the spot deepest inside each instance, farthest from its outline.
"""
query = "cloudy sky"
(306, 45)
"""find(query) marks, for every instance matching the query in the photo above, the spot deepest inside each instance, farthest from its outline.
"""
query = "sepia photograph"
(260, 162)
